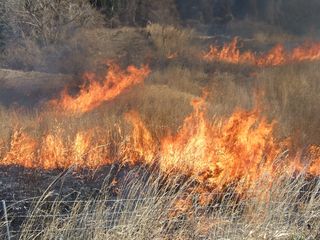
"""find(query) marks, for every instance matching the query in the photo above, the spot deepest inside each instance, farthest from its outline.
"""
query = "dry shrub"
(160, 106)
(46, 21)
(85, 49)
(39, 33)
(23, 54)
(288, 94)
(163, 12)
(138, 12)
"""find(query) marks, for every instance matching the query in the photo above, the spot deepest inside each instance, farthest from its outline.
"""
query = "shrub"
(38, 33)
(46, 21)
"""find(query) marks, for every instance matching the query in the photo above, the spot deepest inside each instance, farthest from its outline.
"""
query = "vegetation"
(50, 44)
(142, 211)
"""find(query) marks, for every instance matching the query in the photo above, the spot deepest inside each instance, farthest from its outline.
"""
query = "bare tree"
(47, 21)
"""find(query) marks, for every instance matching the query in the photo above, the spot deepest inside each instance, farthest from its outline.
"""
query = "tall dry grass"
(292, 97)
(289, 95)
(146, 207)
(170, 41)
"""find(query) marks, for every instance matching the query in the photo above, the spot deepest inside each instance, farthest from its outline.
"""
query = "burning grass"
(214, 153)
(93, 94)
(208, 168)
(231, 53)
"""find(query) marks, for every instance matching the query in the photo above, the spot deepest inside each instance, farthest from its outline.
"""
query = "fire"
(52, 151)
(143, 145)
(22, 150)
(93, 93)
(314, 152)
(239, 150)
(276, 56)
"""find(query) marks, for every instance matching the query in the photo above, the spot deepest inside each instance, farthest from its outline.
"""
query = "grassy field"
(151, 203)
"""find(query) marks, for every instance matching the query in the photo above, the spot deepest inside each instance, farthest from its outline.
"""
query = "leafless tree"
(47, 21)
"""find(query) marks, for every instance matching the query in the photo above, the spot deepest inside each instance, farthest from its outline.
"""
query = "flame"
(22, 150)
(239, 150)
(93, 93)
(143, 146)
(242, 149)
(230, 53)
(314, 152)
(52, 151)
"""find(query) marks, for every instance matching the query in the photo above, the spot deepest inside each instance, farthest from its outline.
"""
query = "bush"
(38, 34)
(46, 21)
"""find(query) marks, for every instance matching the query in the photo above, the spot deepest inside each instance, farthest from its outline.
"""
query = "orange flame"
(314, 152)
(22, 150)
(240, 149)
(143, 147)
(92, 94)
(230, 53)
(52, 151)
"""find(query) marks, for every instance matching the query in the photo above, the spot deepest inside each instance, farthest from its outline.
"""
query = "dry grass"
(146, 207)
(260, 32)
(171, 41)
(290, 95)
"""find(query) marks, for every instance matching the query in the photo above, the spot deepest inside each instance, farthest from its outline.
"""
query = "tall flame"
(143, 145)
(276, 56)
(241, 149)
(52, 151)
(93, 93)
(22, 150)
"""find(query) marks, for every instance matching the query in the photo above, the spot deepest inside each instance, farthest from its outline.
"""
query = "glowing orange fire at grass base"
(278, 55)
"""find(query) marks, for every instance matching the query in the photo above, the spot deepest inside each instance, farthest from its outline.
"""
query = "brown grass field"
(158, 193)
